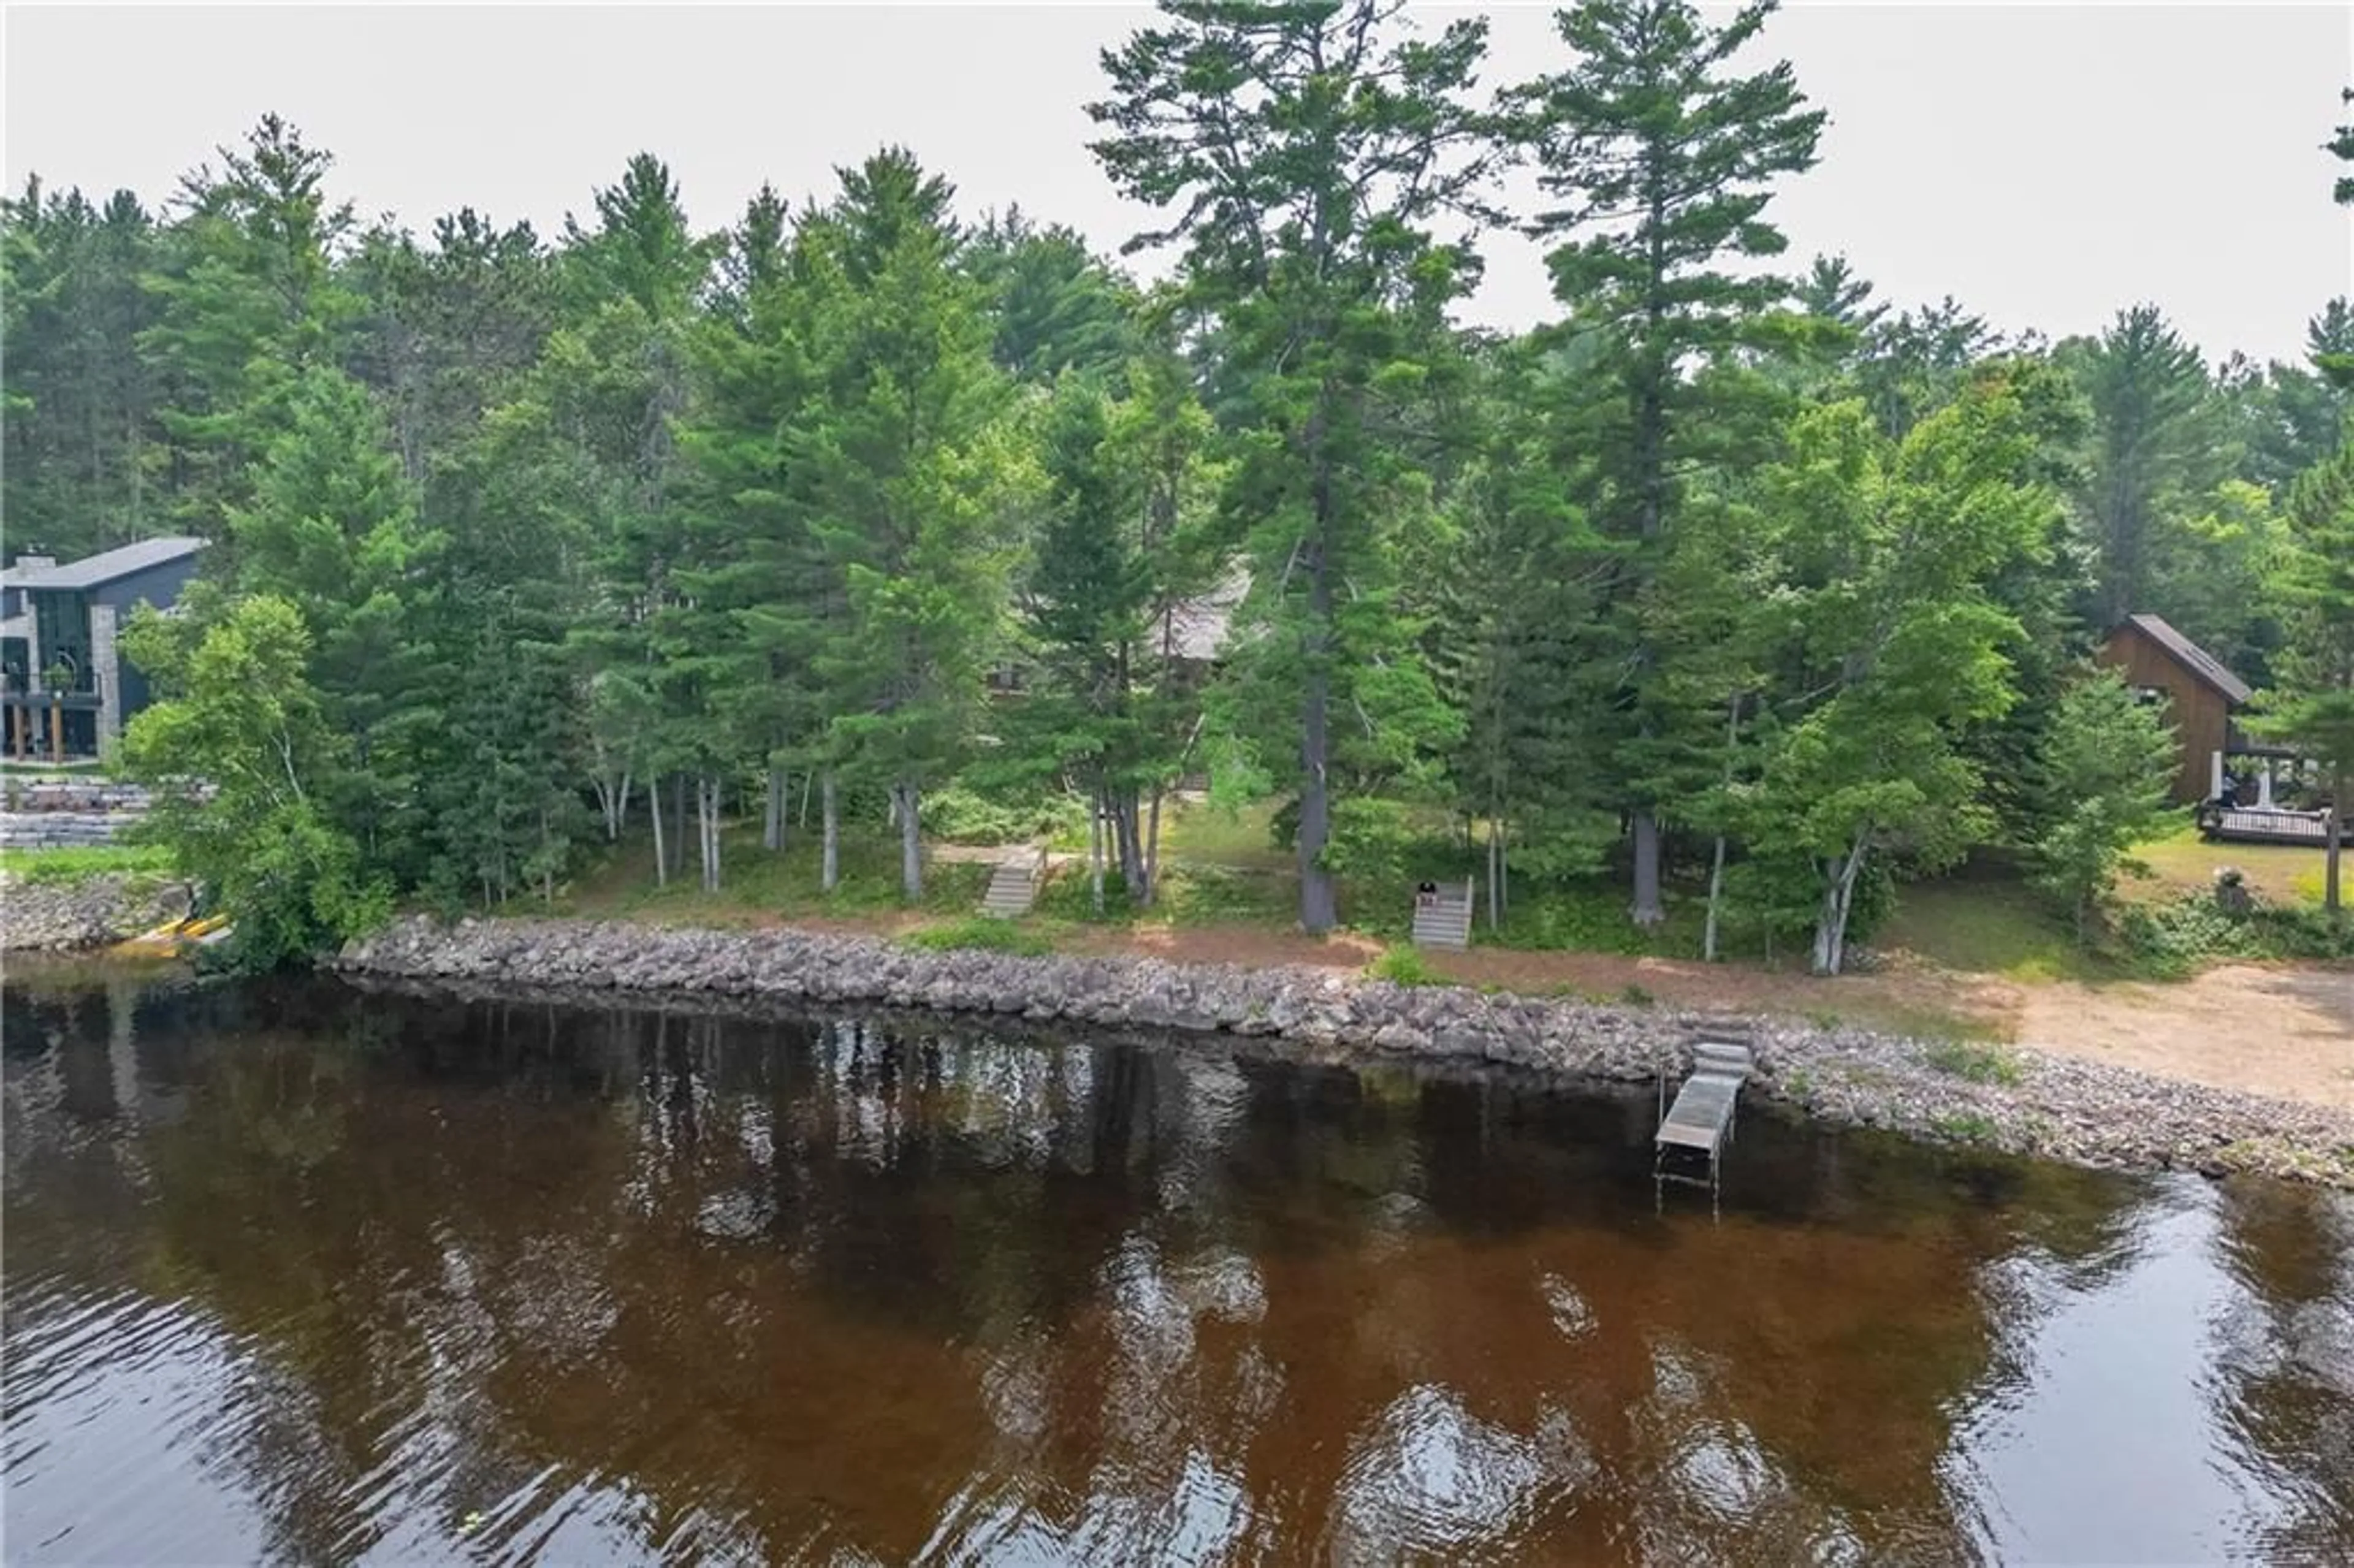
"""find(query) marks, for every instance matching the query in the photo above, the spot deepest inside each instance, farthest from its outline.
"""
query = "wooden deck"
(2254, 825)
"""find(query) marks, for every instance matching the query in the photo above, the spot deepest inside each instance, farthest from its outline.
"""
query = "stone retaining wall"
(62, 829)
(2057, 1107)
(93, 912)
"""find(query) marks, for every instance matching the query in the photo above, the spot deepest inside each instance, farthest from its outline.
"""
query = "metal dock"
(1700, 1120)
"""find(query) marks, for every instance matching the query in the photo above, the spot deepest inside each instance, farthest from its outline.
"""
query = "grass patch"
(1963, 1127)
(2183, 863)
(1243, 837)
(1979, 1063)
(1197, 893)
(1636, 996)
(979, 933)
(1591, 918)
(1984, 927)
(760, 884)
(1404, 965)
(79, 862)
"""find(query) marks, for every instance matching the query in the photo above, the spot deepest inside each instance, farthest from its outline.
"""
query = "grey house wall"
(112, 606)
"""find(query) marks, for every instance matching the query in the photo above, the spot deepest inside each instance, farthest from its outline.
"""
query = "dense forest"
(1733, 581)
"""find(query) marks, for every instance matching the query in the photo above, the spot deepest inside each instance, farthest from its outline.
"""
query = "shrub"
(1963, 1127)
(1979, 1063)
(980, 933)
(958, 815)
(2169, 940)
(1404, 965)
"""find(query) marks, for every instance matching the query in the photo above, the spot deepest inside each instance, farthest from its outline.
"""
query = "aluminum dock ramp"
(1700, 1120)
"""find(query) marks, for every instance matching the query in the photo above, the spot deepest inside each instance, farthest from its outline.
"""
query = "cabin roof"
(106, 566)
(2202, 665)
(1199, 625)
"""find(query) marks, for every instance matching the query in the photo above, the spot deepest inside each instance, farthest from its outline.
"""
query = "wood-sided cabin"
(2245, 790)
(2201, 697)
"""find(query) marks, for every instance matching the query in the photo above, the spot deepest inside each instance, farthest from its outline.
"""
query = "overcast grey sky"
(2046, 164)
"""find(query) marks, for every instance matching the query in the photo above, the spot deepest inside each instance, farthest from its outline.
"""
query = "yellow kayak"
(165, 940)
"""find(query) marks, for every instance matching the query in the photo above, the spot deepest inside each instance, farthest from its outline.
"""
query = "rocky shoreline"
(92, 912)
(2013, 1100)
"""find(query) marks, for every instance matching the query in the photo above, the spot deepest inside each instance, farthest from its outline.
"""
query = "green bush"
(982, 933)
(1067, 894)
(2169, 940)
(960, 816)
(1979, 1063)
(1963, 1127)
(1404, 965)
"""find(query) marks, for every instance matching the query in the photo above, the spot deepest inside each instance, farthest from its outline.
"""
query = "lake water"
(294, 1274)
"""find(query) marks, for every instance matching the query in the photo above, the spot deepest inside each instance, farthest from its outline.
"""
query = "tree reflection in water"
(421, 1276)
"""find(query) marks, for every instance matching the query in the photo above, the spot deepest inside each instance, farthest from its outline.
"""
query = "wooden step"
(1012, 889)
(1444, 925)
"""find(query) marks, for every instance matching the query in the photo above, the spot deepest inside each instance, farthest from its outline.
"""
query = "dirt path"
(2271, 1030)
(2284, 1032)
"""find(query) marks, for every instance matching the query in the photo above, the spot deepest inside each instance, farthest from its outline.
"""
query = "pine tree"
(2311, 703)
(332, 528)
(912, 475)
(80, 401)
(1512, 647)
(249, 301)
(2152, 449)
(1308, 151)
(1056, 306)
(2102, 776)
(1662, 162)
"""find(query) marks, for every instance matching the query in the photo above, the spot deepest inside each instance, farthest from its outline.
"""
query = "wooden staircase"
(1443, 919)
(1013, 887)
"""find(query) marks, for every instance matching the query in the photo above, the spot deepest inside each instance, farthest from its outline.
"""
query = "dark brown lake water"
(293, 1274)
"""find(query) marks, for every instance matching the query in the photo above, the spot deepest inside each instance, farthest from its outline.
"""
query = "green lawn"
(80, 863)
(1985, 925)
(758, 885)
(2181, 862)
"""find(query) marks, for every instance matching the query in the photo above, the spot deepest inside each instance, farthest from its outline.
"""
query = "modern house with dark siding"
(66, 690)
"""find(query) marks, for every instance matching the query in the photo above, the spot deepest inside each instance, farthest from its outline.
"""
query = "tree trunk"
(706, 822)
(1839, 900)
(830, 873)
(1131, 845)
(909, 798)
(1319, 903)
(1649, 911)
(1144, 898)
(772, 824)
(654, 810)
(809, 781)
(1094, 849)
(1495, 873)
(1715, 902)
(678, 822)
(2331, 899)
(1716, 856)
